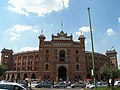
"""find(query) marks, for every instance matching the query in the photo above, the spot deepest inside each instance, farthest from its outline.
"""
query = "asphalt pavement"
(60, 89)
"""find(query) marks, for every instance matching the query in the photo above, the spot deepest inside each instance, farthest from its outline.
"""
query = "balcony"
(62, 60)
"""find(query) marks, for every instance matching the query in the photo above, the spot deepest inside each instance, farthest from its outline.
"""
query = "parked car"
(43, 85)
(11, 86)
(90, 85)
(24, 85)
(60, 85)
(117, 83)
(98, 84)
(33, 84)
(77, 85)
(101, 84)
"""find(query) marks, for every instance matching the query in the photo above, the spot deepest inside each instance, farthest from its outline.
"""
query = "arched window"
(47, 51)
(30, 58)
(76, 51)
(62, 55)
(77, 67)
(46, 66)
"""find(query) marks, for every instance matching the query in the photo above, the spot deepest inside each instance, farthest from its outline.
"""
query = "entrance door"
(62, 73)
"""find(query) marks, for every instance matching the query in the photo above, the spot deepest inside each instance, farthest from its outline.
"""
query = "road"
(60, 89)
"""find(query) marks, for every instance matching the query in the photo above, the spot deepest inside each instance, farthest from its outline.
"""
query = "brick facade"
(58, 59)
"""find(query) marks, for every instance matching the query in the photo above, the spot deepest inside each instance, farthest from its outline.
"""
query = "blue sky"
(21, 21)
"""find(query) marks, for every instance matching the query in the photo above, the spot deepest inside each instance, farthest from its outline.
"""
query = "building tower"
(112, 55)
(7, 58)
(82, 41)
(41, 40)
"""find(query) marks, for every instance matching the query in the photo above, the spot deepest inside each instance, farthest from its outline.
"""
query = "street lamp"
(93, 61)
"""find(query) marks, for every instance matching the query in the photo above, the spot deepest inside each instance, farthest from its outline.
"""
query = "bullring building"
(62, 58)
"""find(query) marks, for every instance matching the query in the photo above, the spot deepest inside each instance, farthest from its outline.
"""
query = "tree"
(108, 73)
(2, 70)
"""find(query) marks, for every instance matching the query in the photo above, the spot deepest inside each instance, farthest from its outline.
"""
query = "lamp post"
(93, 61)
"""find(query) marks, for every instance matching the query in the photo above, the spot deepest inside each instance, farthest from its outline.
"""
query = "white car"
(33, 84)
(82, 85)
(98, 84)
(60, 85)
(117, 83)
(90, 85)
(11, 86)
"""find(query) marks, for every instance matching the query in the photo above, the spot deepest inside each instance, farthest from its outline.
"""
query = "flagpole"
(42, 31)
(93, 61)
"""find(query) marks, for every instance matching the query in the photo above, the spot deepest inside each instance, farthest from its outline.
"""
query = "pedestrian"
(53, 84)
(30, 84)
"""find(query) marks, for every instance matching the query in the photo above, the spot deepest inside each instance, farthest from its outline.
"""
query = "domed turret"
(82, 40)
(41, 40)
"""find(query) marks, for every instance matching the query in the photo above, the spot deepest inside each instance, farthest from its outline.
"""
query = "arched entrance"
(33, 76)
(13, 78)
(62, 73)
(25, 76)
(18, 76)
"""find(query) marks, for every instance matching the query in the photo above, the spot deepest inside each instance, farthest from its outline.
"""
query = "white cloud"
(15, 31)
(39, 7)
(51, 25)
(110, 32)
(83, 29)
(119, 19)
(14, 36)
(28, 49)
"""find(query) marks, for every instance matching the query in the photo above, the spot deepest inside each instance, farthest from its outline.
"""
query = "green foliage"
(106, 88)
(110, 72)
(2, 70)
